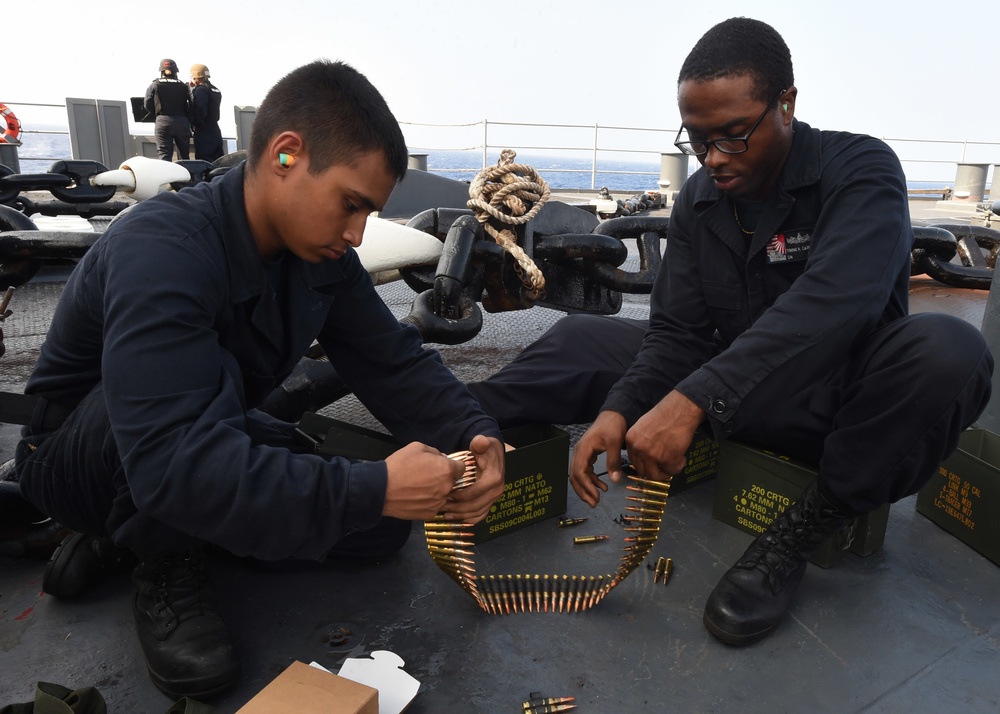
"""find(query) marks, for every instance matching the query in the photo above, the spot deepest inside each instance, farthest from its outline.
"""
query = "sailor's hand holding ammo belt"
(658, 442)
(419, 480)
(471, 504)
(605, 436)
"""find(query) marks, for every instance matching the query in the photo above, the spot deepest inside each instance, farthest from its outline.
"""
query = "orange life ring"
(13, 126)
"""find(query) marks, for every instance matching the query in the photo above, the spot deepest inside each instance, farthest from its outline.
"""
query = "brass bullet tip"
(589, 538)
(544, 704)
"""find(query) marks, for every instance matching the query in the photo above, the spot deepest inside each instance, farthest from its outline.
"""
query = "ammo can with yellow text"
(963, 497)
(754, 486)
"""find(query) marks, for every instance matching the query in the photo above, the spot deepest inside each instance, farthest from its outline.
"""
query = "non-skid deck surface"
(914, 627)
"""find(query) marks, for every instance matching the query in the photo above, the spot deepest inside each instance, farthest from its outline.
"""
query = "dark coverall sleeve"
(862, 237)
(199, 106)
(176, 403)
(405, 386)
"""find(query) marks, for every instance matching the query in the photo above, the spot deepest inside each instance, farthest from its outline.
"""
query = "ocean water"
(565, 171)
(558, 171)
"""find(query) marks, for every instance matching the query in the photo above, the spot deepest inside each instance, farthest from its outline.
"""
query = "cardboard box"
(963, 497)
(536, 470)
(308, 690)
(754, 486)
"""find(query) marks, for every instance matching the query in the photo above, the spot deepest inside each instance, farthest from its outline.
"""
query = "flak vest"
(171, 98)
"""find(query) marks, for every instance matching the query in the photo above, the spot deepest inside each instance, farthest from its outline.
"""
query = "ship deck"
(914, 627)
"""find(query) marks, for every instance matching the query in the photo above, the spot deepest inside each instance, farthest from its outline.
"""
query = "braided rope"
(510, 194)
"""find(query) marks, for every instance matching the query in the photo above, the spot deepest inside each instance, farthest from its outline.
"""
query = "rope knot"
(506, 195)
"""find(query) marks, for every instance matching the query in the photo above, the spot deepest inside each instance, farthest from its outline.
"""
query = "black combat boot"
(754, 594)
(82, 560)
(187, 647)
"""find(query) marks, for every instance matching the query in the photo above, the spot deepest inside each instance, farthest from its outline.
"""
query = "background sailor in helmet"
(205, 102)
(168, 99)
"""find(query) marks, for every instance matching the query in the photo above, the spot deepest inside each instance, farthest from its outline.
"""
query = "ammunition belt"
(503, 594)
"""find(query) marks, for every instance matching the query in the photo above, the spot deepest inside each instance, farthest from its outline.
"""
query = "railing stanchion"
(593, 163)
(486, 140)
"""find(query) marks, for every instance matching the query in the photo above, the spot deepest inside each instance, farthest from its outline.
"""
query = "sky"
(909, 70)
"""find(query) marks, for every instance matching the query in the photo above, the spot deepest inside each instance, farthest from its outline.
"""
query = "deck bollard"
(673, 174)
(417, 161)
(970, 179)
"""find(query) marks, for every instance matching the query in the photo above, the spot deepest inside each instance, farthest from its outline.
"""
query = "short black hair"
(740, 47)
(338, 112)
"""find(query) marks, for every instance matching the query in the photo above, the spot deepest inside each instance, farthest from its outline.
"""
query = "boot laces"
(792, 538)
(181, 587)
(776, 553)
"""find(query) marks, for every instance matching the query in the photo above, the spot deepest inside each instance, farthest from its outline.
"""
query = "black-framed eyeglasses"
(727, 145)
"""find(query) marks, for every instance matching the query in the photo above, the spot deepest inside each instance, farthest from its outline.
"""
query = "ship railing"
(604, 151)
(923, 160)
(55, 115)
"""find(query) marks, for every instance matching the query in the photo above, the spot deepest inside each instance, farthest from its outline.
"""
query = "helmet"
(200, 70)
(168, 66)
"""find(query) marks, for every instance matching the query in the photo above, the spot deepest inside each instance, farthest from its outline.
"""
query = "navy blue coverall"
(167, 335)
(169, 100)
(796, 339)
(206, 100)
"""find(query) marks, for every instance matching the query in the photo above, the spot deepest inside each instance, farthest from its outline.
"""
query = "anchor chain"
(80, 188)
(505, 195)
(66, 180)
(934, 248)
(583, 271)
(73, 181)
(649, 233)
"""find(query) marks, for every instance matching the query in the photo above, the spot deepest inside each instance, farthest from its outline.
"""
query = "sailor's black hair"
(740, 47)
(338, 112)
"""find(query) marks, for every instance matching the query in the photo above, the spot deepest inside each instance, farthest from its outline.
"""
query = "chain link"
(66, 180)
